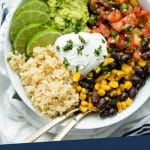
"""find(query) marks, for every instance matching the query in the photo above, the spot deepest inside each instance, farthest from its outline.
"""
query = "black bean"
(133, 91)
(140, 72)
(148, 70)
(95, 98)
(112, 65)
(136, 80)
(125, 57)
(113, 111)
(104, 114)
(146, 55)
(124, 96)
(87, 83)
(116, 55)
(101, 104)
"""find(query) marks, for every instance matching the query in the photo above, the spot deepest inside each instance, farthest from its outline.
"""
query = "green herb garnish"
(77, 68)
(78, 25)
(82, 39)
(68, 46)
(127, 42)
(127, 28)
(103, 41)
(80, 49)
(124, 6)
(58, 48)
(98, 51)
(66, 63)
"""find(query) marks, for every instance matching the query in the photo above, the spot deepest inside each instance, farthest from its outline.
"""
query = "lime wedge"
(24, 36)
(27, 17)
(33, 5)
(42, 39)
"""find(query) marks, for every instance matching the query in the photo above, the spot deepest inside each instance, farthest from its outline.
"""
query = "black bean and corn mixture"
(113, 85)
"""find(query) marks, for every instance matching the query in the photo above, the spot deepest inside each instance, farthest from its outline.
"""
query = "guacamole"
(68, 16)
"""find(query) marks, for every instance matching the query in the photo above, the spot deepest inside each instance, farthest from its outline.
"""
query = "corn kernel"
(129, 101)
(113, 84)
(91, 107)
(126, 68)
(123, 105)
(76, 77)
(83, 90)
(78, 88)
(101, 92)
(122, 87)
(106, 87)
(82, 96)
(108, 61)
(120, 73)
(118, 104)
(83, 109)
(120, 109)
(104, 82)
(134, 3)
(142, 63)
(90, 75)
(128, 85)
(97, 70)
(118, 91)
(97, 86)
(84, 103)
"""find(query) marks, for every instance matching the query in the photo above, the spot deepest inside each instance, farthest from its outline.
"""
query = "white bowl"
(92, 121)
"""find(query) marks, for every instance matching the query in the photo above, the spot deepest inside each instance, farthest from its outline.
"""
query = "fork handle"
(69, 126)
(48, 126)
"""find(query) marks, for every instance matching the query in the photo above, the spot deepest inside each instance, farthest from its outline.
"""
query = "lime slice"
(24, 36)
(33, 5)
(42, 39)
(27, 17)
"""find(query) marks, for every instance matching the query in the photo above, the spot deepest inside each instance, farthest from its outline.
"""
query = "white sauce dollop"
(94, 48)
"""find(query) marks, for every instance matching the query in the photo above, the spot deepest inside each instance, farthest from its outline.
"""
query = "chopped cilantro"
(58, 48)
(68, 46)
(77, 68)
(66, 63)
(98, 51)
(103, 41)
(8, 59)
(127, 28)
(80, 49)
(78, 25)
(67, 22)
(82, 39)
(127, 42)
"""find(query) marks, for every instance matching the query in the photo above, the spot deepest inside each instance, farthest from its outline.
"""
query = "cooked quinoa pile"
(47, 82)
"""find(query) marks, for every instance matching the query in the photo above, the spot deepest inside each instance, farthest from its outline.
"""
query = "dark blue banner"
(125, 143)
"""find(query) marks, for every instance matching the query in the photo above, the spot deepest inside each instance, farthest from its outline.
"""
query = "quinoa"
(47, 82)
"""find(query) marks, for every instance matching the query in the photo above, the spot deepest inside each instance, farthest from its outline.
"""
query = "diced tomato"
(118, 26)
(137, 40)
(147, 26)
(140, 12)
(114, 16)
(120, 41)
(144, 13)
(130, 20)
(146, 31)
(136, 55)
(127, 11)
(120, 1)
(95, 30)
(137, 11)
(132, 46)
(104, 30)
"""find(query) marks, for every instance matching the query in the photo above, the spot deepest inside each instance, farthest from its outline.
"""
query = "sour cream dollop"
(82, 51)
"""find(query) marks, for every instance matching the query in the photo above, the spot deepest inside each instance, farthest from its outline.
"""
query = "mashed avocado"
(68, 16)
